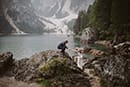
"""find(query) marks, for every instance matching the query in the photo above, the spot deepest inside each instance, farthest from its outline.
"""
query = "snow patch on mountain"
(11, 22)
(41, 16)
(56, 14)
(58, 25)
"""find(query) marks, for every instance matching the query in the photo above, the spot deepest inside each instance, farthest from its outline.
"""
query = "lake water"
(27, 45)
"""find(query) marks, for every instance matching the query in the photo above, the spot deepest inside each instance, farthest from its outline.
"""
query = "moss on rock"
(56, 66)
(62, 72)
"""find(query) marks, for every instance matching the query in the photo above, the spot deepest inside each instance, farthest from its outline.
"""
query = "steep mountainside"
(19, 14)
(38, 16)
(4, 25)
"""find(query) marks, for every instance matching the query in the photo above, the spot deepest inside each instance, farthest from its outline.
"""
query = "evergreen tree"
(81, 22)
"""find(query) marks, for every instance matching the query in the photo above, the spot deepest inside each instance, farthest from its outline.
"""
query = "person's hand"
(66, 47)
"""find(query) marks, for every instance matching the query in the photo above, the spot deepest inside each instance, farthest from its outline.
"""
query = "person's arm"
(66, 47)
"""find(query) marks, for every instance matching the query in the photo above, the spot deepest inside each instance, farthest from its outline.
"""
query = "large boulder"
(27, 69)
(6, 60)
(91, 51)
(89, 35)
(123, 49)
(94, 52)
(113, 69)
(50, 68)
(63, 72)
(106, 43)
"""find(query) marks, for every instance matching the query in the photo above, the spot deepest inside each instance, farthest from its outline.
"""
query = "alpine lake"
(24, 46)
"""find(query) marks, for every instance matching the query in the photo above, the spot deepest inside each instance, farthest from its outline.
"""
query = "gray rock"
(63, 72)
(27, 69)
(113, 68)
(123, 49)
(89, 35)
(6, 60)
(50, 66)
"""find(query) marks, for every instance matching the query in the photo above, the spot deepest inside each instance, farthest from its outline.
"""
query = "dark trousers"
(63, 51)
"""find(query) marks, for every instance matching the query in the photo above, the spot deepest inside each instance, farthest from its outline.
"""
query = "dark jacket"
(62, 46)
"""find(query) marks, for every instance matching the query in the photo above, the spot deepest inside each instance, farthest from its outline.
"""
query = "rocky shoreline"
(48, 67)
(113, 68)
(51, 69)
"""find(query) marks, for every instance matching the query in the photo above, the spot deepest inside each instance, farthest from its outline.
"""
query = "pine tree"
(81, 22)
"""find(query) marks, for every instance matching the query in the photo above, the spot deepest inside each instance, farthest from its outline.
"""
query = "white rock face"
(40, 16)
(88, 36)
(59, 13)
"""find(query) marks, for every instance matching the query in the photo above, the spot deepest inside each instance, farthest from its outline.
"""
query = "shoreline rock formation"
(52, 69)
(113, 69)
(48, 66)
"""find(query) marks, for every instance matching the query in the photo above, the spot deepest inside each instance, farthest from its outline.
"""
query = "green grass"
(56, 66)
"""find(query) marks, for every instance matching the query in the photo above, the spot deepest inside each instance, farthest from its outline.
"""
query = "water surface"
(26, 46)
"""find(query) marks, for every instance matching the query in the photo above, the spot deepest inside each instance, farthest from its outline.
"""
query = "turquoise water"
(27, 45)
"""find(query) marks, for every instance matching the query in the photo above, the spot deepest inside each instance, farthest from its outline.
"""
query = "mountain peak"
(39, 16)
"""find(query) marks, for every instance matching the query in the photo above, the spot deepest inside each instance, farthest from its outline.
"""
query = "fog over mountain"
(39, 16)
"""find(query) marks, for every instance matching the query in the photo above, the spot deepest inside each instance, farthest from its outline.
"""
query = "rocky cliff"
(20, 16)
(31, 16)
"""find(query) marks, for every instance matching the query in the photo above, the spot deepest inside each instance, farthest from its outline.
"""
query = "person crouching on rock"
(62, 46)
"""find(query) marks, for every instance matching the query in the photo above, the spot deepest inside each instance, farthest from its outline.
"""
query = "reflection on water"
(25, 46)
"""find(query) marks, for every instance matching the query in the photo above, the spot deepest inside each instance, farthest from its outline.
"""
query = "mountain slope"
(39, 16)
(59, 12)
